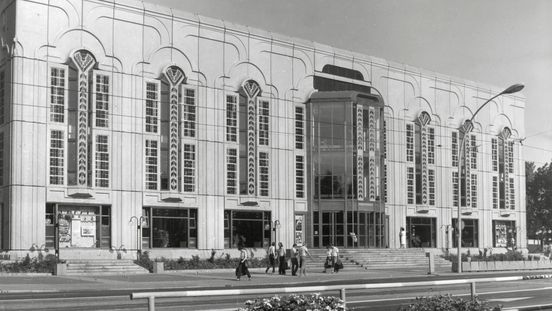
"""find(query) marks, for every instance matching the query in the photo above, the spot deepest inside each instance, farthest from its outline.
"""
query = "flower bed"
(295, 303)
(449, 303)
(39, 264)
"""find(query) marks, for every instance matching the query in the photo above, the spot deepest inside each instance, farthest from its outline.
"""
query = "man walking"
(271, 257)
(294, 263)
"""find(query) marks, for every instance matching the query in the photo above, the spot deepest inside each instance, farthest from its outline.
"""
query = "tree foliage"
(539, 197)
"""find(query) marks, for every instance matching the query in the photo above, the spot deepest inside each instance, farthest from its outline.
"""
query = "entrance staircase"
(380, 259)
(386, 258)
(103, 267)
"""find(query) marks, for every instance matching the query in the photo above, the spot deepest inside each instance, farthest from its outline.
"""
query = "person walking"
(328, 262)
(336, 263)
(271, 257)
(294, 263)
(242, 266)
(303, 253)
(402, 237)
(282, 262)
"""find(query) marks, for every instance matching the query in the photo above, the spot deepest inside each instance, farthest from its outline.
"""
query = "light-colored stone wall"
(134, 41)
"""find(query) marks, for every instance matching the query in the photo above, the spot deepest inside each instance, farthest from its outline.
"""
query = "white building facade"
(129, 126)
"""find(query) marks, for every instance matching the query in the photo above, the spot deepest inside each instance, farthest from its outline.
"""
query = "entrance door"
(333, 229)
(421, 231)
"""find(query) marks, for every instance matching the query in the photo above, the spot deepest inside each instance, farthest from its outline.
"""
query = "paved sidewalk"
(189, 280)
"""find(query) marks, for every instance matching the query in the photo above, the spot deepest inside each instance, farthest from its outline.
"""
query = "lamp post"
(274, 228)
(467, 127)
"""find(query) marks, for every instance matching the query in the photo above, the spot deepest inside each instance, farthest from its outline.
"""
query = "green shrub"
(295, 303)
(449, 303)
(144, 261)
(508, 256)
(224, 262)
(39, 264)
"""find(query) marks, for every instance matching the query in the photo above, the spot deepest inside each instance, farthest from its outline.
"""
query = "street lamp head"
(513, 88)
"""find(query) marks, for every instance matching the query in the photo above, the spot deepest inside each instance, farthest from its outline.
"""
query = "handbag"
(339, 264)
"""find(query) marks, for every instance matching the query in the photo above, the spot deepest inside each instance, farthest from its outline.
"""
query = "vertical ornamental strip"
(504, 136)
(252, 90)
(372, 153)
(424, 120)
(175, 77)
(360, 152)
(465, 130)
(84, 62)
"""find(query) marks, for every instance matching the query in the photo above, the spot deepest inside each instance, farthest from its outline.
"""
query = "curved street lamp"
(467, 127)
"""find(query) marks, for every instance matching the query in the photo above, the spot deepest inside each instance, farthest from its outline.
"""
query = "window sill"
(171, 197)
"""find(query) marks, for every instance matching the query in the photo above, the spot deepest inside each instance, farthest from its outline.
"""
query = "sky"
(495, 42)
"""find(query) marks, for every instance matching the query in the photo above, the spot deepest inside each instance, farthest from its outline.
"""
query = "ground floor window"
(350, 229)
(169, 228)
(470, 233)
(70, 226)
(421, 231)
(249, 228)
(504, 233)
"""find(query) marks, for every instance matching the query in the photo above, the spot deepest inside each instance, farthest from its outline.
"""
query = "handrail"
(341, 288)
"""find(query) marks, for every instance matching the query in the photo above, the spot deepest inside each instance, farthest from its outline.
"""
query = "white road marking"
(508, 299)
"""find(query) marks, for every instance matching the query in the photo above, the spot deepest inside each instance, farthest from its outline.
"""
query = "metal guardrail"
(151, 296)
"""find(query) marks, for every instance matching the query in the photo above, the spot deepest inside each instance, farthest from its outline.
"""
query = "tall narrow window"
(494, 154)
(410, 185)
(431, 187)
(2, 94)
(189, 168)
(57, 94)
(473, 149)
(231, 171)
(1, 159)
(454, 149)
(152, 107)
(263, 173)
(495, 192)
(385, 182)
(189, 114)
(152, 158)
(299, 176)
(102, 100)
(299, 127)
(431, 145)
(409, 142)
(512, 194)
(263, 123)
(474, 190)
(57, 167)
(102, 161)
(511, 157)
(455, 189)
(231, 118)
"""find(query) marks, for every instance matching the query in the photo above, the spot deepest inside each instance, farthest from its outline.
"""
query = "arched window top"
(466, 127)
(251, 88)
(84, 60)
(505, 133)
(343, 72)
(424, 118)
(175, 75)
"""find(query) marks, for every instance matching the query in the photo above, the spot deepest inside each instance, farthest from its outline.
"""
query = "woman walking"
(242, 266)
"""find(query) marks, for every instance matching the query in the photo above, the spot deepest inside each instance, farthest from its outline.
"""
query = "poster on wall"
(298, 229)
(64, 231)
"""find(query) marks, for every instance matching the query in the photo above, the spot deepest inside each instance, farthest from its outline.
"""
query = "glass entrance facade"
(346, 160)
(421, 232)
(248, 228)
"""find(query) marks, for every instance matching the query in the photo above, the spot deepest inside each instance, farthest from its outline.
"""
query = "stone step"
(103, 266)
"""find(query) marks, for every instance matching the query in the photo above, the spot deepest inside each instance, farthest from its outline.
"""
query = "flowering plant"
(295, 303)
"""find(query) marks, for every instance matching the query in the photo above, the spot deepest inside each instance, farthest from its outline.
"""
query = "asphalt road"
(510, 294)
